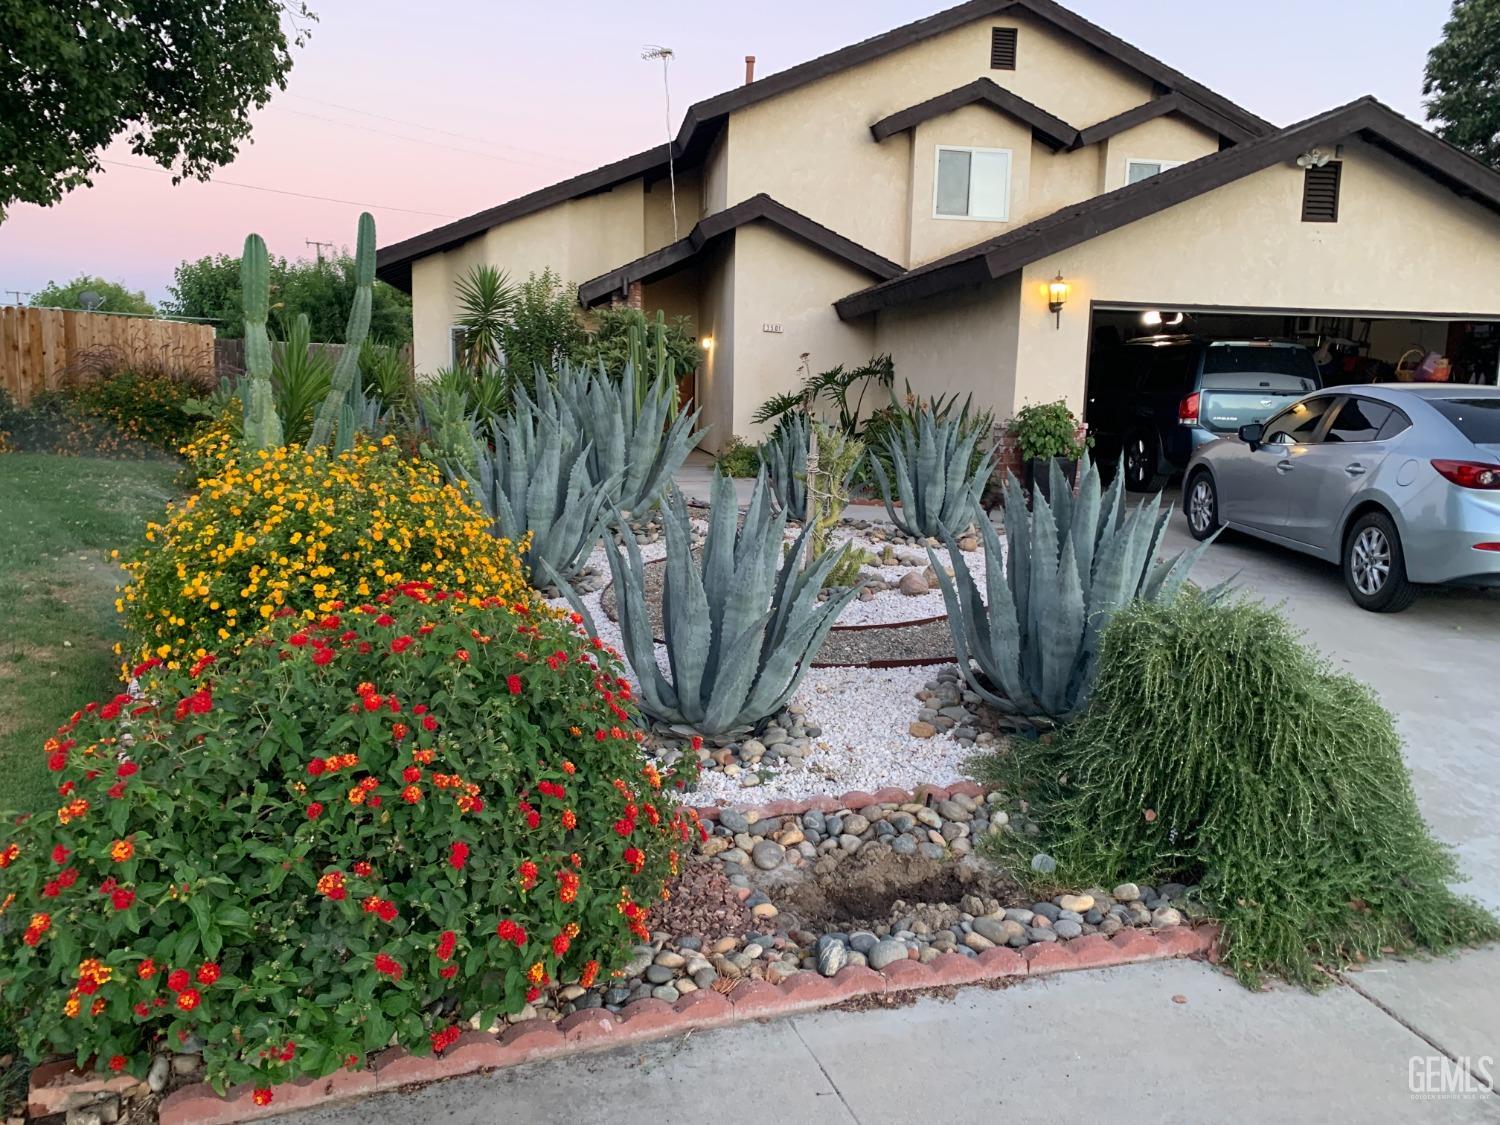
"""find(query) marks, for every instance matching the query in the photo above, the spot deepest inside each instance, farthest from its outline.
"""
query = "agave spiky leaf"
(933, 474)
(536, 483)
(741, 625)
(784, 455)
(1069, 567)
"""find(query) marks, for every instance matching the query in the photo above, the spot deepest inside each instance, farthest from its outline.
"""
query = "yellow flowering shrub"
(287, 531)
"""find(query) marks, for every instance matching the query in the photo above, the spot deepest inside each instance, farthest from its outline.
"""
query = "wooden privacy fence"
(40, 348)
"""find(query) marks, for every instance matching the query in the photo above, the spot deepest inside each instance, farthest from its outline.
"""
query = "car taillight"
(1487, 547)
(1187, 410)
(1470, 474)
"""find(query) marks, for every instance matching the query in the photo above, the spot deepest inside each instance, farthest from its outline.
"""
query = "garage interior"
(1347, 348)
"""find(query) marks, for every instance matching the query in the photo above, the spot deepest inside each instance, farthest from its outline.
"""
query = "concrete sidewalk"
(1110, 1045)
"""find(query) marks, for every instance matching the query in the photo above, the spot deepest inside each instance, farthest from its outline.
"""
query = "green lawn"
(59, 519)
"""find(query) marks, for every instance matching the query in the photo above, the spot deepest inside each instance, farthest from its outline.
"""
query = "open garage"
(1147, 364)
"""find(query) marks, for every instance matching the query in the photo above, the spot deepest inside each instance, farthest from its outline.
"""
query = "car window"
(1359, 419)
(1296, 424)
(1394, 425)
(1478, 419)
(1262, 361)
(1169, 370)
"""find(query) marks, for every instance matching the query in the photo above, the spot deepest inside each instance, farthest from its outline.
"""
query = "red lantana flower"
(513, 682)
(458, 854)
(208, 973)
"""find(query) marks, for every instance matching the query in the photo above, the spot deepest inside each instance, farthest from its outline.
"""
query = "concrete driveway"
(1118, 1045)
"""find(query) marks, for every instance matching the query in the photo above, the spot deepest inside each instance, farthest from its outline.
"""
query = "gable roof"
(1052, 131)
(1172, 102)
(1366, 118)
(703, 120)
(758, 208)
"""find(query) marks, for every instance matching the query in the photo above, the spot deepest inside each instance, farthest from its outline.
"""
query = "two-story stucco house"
(918, 192)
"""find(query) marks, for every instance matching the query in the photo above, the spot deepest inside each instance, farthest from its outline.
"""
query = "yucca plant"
(301, 375)
(784, 455)
(932, 474)
(536, 482)
(1030, 647)
(741, 626)
(486, 300)
(634, 446)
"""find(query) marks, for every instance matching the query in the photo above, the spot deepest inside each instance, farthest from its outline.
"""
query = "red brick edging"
(597, 1029)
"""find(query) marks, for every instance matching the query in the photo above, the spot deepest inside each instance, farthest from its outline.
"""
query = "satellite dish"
(88, 300)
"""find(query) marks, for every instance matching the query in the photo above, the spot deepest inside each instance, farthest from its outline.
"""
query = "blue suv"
(1156, 399)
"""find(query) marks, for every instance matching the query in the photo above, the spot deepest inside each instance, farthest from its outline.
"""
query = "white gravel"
(890, 607)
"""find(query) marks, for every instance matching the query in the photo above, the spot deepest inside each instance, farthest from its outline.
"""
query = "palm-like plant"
(301, 375)
(486, 300)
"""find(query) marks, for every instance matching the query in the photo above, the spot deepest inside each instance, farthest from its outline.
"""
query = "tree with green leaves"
(324, 291)
(114, 297)
(176, 79)
(545, 327)
(1462, 84)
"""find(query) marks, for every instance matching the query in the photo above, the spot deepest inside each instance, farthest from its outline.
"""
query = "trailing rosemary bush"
(1219, 750)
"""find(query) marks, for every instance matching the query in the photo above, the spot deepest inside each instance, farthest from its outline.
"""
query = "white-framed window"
(455, 344)
(971, 183)
(1138, 170)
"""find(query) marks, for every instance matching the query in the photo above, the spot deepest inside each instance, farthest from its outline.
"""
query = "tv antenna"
(650, 52)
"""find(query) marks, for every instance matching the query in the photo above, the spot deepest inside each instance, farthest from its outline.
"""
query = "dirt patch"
(875, 886)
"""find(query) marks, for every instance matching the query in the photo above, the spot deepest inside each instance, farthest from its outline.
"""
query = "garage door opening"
(1161, 381)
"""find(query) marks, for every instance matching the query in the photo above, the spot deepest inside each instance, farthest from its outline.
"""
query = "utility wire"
(561, 158)
(283, 191)
(409, 140)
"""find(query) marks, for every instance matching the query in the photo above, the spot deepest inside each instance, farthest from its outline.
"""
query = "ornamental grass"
(1219, 750)
(292, 529)
(366, 828)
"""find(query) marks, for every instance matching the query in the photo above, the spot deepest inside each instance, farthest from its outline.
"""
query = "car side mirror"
(1252, 434)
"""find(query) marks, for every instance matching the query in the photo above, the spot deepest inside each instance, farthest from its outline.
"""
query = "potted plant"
(1044, 432)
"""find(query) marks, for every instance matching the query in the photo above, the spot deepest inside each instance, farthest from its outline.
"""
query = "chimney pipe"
(749, 69)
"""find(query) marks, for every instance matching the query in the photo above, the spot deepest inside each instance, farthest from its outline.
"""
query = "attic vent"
(1320, 193)
(1002, 48)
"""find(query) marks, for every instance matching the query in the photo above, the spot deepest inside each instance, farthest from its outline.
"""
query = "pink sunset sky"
(424, 113)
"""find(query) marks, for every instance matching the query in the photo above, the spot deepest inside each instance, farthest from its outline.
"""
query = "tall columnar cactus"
(1031, 646)
(536, 482)
(932, 462)
(346, 369)
(741, 626)
(633, 446)
(262, 427)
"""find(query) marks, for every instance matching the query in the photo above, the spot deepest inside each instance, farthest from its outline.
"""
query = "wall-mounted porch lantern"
(1057, 297)
(706, 343)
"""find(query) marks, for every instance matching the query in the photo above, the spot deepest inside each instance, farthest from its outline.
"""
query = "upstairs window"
(1138, 170)
(1002, 48)
(1320, 193)
(972, 183)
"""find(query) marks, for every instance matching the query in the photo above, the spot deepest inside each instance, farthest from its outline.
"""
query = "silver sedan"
(1398, 483)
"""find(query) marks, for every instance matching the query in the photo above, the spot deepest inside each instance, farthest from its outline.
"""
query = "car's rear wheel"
(1202, 505)
(1374, 566)
(1141, 463)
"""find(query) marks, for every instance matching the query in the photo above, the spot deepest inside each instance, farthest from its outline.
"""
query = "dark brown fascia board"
(389, 259)
(1052, 131)
(393, 263)
(997, 257)
(758, 208)
(1171, 102)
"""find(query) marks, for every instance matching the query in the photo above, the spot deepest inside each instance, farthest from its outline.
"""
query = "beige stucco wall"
(716, 322)
(579, 239)
(780, 280)
(1402, 243)
(957, 343)
(812, 149)
(1164, 138)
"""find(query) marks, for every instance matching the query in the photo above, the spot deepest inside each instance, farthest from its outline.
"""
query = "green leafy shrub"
(378, 824)
(1047, 430)
(1219, 750)
(544, 328)
(739, 459)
